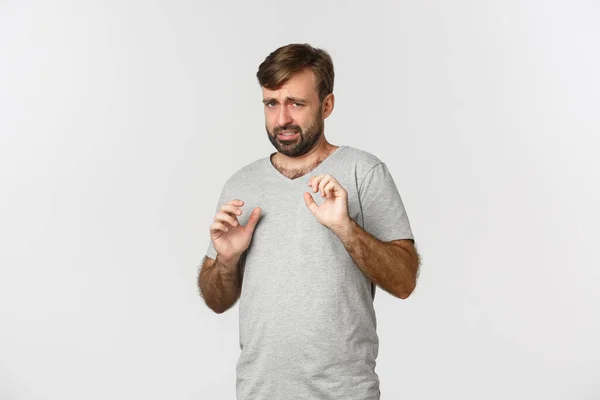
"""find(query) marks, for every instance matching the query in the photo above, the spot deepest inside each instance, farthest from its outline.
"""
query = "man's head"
(297, 86)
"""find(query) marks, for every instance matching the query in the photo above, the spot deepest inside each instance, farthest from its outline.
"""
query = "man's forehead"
(285, 92)
(299, 85)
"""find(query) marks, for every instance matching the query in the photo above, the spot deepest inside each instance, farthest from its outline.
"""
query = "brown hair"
(280, 65)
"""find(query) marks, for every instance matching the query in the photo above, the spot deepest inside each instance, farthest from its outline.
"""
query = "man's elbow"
(219, 310)
(216, 308)
(405, 291)
(412, 264)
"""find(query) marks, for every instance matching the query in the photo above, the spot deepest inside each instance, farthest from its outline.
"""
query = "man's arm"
(220, 283)
(393, 266)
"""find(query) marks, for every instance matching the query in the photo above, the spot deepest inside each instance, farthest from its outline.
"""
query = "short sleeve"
(223, 198)
(383, 211)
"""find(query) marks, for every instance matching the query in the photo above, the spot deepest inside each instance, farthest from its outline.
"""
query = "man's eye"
(270, 104)
(298, 105)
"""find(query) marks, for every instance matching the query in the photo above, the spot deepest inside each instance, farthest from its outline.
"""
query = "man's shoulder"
(361, 161)
(250, 171)
(360, 156)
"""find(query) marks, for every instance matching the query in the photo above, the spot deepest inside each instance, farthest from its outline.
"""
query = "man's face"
(294, 109)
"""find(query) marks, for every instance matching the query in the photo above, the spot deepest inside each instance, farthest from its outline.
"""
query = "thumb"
(310, 203)
(253, 219)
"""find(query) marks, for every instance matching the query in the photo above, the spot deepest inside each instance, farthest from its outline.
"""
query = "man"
(310, 231)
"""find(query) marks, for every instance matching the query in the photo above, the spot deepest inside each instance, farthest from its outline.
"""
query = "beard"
(305, 141)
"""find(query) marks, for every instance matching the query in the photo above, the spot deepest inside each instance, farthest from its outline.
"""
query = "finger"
(326, 179)
(232, 209)
(218, 226)
(224, 217)
(236, 202)
(329, 189)
(314, 182)
(253, 219)
(310, 202)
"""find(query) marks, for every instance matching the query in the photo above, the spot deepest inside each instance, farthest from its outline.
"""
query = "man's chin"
(287, 144)
(287, 151)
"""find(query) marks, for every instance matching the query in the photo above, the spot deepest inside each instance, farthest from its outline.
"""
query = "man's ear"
(328, 103)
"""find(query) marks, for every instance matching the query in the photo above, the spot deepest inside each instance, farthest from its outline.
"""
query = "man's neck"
(295, 167)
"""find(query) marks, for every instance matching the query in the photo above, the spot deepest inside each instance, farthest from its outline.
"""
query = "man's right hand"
(229, 237)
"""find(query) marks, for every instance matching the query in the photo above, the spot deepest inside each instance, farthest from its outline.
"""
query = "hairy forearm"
(391, 266)
(220, 283)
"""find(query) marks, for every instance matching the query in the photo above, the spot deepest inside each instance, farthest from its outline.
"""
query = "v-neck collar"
(305, 177)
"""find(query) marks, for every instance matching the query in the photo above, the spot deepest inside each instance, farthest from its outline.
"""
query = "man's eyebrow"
(292, 99)
(296, 99)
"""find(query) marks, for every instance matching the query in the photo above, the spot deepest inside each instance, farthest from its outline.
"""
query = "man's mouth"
(287, 135)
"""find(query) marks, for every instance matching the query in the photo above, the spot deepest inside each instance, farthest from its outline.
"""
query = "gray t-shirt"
(306, 317)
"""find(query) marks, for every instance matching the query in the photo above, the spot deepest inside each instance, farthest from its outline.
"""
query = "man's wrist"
(344, 230)
(228, 265)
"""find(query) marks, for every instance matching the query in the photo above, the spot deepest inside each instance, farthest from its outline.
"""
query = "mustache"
(288, 127)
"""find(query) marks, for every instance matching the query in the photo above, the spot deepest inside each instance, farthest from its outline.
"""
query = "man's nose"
(283, 117)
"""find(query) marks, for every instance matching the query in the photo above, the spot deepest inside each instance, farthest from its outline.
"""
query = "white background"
(120, 121)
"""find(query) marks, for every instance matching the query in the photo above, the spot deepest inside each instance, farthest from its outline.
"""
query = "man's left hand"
(333, 213)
